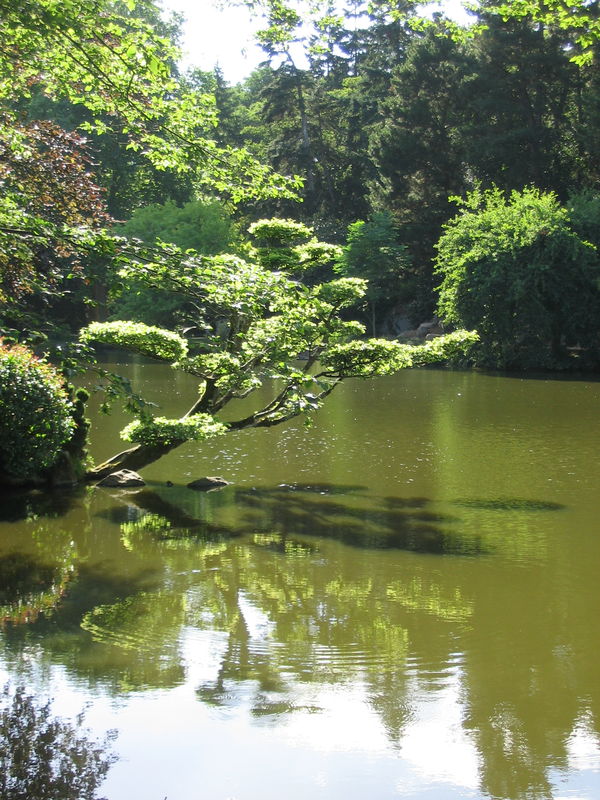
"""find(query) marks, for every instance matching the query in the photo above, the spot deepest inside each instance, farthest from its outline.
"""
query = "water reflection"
(26, 504)
(29, 587)
(44, 757)
(316, 586)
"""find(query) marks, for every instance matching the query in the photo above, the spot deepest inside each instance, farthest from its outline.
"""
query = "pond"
(398, 601)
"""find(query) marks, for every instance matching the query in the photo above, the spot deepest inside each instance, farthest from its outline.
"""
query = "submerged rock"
(208, 484)
(123, 478)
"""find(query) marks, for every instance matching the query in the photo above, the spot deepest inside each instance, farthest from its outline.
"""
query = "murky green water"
(401, 601)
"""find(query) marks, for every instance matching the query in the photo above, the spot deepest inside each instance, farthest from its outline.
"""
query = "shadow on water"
(566, 376)
(322, 488)
(510, 504)
(163, 518)
(304, 510)
(383, 523)
(27, 504)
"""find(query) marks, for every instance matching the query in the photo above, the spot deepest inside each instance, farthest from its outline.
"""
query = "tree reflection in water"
(46, 758)
(302, 609)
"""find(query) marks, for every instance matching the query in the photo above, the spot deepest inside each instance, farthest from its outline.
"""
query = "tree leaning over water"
(257, 327)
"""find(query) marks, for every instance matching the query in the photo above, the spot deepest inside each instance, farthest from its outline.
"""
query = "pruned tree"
(259, 327)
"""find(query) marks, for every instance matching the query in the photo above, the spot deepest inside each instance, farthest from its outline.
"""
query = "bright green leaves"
(288, 245)
(278, 232)
(343, 292)
(514, 268)
(453, 347)
(370, 357)
(138, 338)
(116, 63)
(36, 419)
(315, 254)
(228, 373)
(366, 358)
(225, 283)
(162, 432)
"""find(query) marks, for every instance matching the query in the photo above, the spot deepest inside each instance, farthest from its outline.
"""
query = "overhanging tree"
(257, 322)
(260, 327)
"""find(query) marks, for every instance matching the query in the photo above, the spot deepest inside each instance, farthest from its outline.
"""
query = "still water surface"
(400, 601)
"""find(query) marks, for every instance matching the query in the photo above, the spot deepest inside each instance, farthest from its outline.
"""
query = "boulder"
(407, 335)
(122, 479)
(426, 328)
(208, 484)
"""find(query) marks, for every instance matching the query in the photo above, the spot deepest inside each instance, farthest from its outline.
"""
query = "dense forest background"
(387, 117)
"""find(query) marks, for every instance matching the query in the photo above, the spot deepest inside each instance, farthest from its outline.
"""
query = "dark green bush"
(374, 253)
(516, 269)
(35, 413)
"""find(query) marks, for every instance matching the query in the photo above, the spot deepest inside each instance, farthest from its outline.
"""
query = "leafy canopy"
(112, 59)
(577, 18)
(514, 268)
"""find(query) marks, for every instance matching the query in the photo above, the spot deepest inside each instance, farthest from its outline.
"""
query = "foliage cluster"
(206, 227)
(36, 420)
(514, 268)
(364, 358)
(162, 432)
(116, 61)
(203, 226)
(49, 198)
(286, 244)
(110, 69)
(138, 338)
(373, 252)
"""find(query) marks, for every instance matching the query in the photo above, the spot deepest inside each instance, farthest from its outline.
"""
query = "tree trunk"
(135, 458)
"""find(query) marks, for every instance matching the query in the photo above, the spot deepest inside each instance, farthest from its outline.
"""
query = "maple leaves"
(49, 198)
(52, 173)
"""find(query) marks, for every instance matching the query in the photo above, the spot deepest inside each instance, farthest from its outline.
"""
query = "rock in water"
(122, 479)
(208, 483)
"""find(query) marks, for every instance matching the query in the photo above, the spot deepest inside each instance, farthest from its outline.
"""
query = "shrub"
(36, 419)
(515, 269)
(287, 245)
(279, 232)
